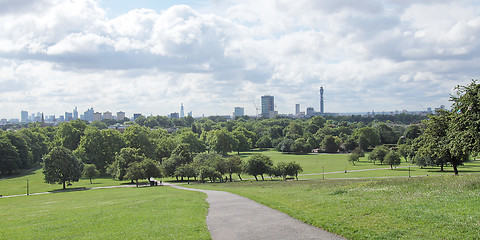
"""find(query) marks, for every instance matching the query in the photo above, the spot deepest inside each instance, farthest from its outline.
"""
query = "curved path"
(231, 216)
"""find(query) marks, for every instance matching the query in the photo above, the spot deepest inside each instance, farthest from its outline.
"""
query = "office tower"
(310, 112)
(174, 115)
(297, 109)
(97, 116)
(268, 105)
(68, 116)
(136, 115)
(321, 100)
(120, 116)
(88, 115)
(239, 112)
(75, 114)
(182, 114)
(24, 116)
(107, 115)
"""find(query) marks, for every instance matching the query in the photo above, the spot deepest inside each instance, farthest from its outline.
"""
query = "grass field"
(18, 185)
(120, 213)
(436, 207)
(334, 165)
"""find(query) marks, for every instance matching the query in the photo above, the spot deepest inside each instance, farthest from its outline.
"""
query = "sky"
(149, 56)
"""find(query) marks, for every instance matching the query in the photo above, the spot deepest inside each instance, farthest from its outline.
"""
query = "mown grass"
(120, 213)
(435, 207)
(18, 184)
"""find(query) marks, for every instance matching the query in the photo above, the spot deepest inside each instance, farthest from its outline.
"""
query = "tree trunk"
(64, 185)
(188, 180)
(240, 177)
(90, 181)
(391, 167)
(455, 170)
(256, 177)
(230, 177)
(262, 177)
(441, 167)
(136, 182)
(296, 176)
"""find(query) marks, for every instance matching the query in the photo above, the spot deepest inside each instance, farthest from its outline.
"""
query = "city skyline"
(148, 56)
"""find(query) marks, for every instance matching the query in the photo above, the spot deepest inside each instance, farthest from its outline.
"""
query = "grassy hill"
(435, 207)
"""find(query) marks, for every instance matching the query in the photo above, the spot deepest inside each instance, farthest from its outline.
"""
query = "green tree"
(134, 172)
(138, 137)
(123, 159)
(392, 158)
(235, 165)
(293, 169)
(9, 158)
(293, 131)
(222, 141)
(68, 134)
(61, 166)
(353, 157)
(90, 171)
(24, 151)
(329, 144)
(378, 154)
(258, 164)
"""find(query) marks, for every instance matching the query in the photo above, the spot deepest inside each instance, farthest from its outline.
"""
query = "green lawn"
(120, 213)
(435, 207)
(18, 185)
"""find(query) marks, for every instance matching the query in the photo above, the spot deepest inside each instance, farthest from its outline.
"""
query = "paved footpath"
(231, 216)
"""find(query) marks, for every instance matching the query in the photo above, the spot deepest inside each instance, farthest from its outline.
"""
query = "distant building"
(297, 109)
(239, 112)
(190, 113)
(272, 114)
(174, 115)
(75, 114)
(268, 105)
(182, 113)
(88, 115)
(68, 116)
(120, 116)
(310, 112)
(24, 116)
(322, 110)
(107, 115)
(97, 116)
(61, 118)
(136, 115)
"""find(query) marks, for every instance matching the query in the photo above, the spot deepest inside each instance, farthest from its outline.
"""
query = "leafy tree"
(258, 164)
(36, 141)
(285, 145)
(222, 141)
(243, 143)
(378, 154)
(353, 157)
(329, 144)
(151, 169)
(186, 170)
(264, 142)
(294, 131)
(9, 158)
(300, 146)
(293, 169)
(195, 144)
(99, 125)
(386, 134)
(24, 151)
(134, 172)
(392, 158)
(123, 159)
(359, 152)
(68, 134)
(413, 131)
(234, 165)
(90, 171)
(60, 166)
(137, 136)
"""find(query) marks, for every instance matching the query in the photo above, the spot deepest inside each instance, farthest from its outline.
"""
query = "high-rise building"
(136, 115)
(239, 112)
(310, 112)
(75, 114)
(182, 113)
(322, 110)
(297, 109)
(24, 116)
(68, 116)
(107, 115)
(268, 105)
(97, 116)
(190, 114)
(120, 116)
(174, 115)
(88, 115)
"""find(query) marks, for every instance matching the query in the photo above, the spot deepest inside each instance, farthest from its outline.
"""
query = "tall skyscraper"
(239, 112)
(297, 109)
(24, 116)
(75, 114)
(182, 113)
(68, 116)
(321, 100)
(268, 105)
(88, 115)
(120, 116)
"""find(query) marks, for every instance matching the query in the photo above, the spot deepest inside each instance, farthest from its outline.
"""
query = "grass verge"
(439, 207)
(120, 213)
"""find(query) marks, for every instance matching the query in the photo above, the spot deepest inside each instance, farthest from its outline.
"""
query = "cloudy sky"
(149, 56)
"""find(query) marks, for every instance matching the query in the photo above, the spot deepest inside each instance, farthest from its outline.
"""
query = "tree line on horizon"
(202, 148)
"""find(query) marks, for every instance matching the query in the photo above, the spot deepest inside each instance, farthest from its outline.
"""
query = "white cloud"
(369, 55)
